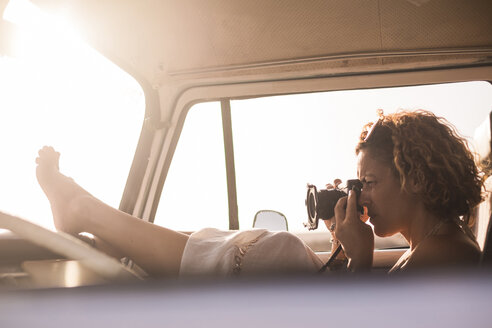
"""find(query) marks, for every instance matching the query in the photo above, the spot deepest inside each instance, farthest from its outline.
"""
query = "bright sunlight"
(56, 90)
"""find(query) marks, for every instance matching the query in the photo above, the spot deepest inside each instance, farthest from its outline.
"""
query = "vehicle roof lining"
(164, 37)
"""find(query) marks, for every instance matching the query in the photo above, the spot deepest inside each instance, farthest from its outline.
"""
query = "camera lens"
(311, 206)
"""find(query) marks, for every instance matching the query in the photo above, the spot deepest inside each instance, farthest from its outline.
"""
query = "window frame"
(165, 140)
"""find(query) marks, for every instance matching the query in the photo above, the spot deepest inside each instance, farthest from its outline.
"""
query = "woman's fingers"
(351, 211)
(346, 211)
(340, 211)
(346, 208)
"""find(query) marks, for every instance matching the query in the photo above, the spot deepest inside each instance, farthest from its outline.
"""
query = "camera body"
(321, 204)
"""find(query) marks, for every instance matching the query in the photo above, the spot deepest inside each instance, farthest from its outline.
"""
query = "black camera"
(321, 204)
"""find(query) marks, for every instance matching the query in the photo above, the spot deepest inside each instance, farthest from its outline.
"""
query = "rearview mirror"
(270, 220)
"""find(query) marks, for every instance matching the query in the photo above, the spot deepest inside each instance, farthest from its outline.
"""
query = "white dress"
(216, 252)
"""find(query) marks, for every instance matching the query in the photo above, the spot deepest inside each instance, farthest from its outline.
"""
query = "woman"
(419, 179)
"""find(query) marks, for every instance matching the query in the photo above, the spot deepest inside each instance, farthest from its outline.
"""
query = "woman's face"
(389, 207)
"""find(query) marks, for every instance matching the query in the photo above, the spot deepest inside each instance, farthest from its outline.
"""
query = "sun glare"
(56, 90)
(23, 12)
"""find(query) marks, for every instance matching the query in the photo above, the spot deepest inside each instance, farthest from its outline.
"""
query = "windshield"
(56, 90)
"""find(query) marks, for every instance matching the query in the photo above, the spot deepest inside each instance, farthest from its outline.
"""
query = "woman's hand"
(356, 237)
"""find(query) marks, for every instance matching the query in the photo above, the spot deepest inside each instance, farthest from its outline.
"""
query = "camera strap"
(331, 259)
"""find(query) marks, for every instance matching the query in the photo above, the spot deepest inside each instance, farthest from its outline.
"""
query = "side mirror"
(270, 220)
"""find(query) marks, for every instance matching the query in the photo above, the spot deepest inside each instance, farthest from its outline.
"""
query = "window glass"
(55, 90)
(282, 143)
(195, 191)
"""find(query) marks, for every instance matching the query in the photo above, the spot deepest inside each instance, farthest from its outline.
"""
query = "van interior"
(192, 114)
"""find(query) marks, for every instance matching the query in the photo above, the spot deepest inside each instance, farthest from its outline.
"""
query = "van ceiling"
(159, 38)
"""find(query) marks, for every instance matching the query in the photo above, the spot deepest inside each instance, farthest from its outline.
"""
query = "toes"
(47, 150)
(48, 155)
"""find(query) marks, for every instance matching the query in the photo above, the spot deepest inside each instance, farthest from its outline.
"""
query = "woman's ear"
(413, 185)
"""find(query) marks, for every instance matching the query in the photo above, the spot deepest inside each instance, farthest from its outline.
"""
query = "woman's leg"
(155, 249)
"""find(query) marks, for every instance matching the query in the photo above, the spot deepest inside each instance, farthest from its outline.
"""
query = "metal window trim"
(215, 92)
(225, 105)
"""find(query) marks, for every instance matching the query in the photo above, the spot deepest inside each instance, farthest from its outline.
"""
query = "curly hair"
(427, 150)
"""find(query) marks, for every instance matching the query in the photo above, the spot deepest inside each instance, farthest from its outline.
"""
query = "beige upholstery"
(197, 35)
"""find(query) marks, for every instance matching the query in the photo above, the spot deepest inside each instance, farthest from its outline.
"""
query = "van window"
(281, 143)
(55, 90)
(195, 191)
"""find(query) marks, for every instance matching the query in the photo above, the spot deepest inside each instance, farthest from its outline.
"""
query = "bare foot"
(62, 192)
